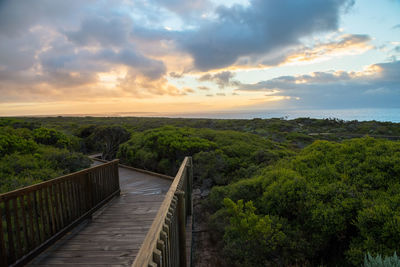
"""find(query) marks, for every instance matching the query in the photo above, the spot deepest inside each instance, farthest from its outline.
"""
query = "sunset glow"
(197, 56)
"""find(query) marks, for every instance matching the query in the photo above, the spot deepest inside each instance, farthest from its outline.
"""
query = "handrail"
(34, 217)
(164, 244)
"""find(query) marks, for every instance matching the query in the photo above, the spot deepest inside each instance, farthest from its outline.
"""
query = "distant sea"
(389, 114)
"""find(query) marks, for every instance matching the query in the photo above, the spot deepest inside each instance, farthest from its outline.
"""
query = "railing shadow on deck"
(165, 242)
(34, 217)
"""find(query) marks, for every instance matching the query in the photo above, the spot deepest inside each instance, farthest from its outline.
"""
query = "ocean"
(384, 115)
(367, 114)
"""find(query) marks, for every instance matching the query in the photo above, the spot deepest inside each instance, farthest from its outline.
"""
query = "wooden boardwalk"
(115, 233)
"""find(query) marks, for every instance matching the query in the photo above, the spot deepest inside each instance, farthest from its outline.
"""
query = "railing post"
(190, 187)
(117, 174)
(88, 192)
(181, 227)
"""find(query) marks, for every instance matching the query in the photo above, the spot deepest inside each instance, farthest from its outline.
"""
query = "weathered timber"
(115, 232)
(165, 242)
(34, 217)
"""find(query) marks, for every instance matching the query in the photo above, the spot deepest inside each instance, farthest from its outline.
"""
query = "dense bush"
(51, 137)
(28, 157)
(222, 156)
(335, 201)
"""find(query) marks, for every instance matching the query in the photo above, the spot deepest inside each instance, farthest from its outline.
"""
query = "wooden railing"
(165, 242)
(34, 217)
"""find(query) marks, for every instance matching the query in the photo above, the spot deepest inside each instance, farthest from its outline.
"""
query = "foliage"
(262, 236)
(110, 137)
(378, 261)
(222, 156)
(12, 141)
(52, 137)
(322, 203)
(339, 200)
(23, 161)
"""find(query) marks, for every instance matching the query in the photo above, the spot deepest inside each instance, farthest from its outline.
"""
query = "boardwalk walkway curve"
(115, 233)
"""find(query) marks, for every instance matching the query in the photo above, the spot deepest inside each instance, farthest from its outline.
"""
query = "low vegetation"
(277, 192)
(29, 155)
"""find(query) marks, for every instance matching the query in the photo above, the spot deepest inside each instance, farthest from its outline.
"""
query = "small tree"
(110, 138)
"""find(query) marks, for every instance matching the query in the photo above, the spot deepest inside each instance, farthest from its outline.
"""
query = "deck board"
(114, 235)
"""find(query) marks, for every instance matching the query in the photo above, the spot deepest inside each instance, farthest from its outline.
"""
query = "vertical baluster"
(105, 182)
(181, 228)
(10, 236)
(164, 237)
(27, 241)
(3, 251)
(59, 205)
(96, 187)
(52, 198)
(88, 192)
(36, 217)
(74, 199)
(161, 248)
(68, 195)
(17, 228)
(167, 230)
(104, 189)
(116, 176)
(64, 202)
(42, 222)
(105, 179)
(46, 211)
(31, 221)
(100, 184)
(81, 196)
(157, 257)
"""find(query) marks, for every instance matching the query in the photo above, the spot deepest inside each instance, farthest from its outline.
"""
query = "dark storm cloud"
(378, 87)
(259, 28)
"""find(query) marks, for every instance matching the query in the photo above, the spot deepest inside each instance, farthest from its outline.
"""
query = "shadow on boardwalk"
(115, 233)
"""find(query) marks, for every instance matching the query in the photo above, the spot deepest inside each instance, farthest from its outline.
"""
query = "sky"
(188, 56)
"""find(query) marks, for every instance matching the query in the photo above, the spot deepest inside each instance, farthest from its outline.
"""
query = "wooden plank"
(10, 236)
(19, 249)
(37, 186)
(59, 205)
(27, 239)
(49, 204)
(36, 217)
(120, 227)
(143, 257)
(3, 251)
(43, 216)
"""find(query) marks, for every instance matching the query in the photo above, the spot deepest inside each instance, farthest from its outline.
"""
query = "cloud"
(176, 75)
(188, 90)
(183, 7)
(222, 79)
(259, 28)
(347, 44)
(396, 26)
(18, 16)
(376, 86)
(102, 31)
(203, 88)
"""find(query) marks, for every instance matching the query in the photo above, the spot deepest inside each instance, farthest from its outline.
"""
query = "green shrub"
(378, 261)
